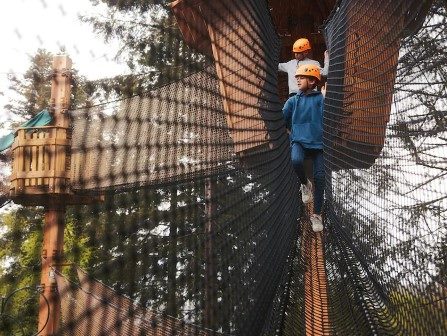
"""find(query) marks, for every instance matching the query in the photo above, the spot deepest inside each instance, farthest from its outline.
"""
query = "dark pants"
(298, 153)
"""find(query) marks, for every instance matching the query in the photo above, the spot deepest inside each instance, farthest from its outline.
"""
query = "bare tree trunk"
(172, 257)
(210, 267)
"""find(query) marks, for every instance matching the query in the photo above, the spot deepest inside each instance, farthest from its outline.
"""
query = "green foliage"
(33, 89)
(21, 243)
(77, 247)
(413, 310)
(20, 264)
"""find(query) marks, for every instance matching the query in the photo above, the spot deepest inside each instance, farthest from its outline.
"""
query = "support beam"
(53, 231)
(60, 90)
(52, 251)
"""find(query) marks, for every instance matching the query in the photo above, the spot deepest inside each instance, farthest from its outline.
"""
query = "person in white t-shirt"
(302, 51)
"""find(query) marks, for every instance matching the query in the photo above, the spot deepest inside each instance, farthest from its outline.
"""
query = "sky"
(27, 25)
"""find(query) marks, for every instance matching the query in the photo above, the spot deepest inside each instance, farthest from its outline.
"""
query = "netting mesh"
(175, 132)
(386, 223)
(201, 229)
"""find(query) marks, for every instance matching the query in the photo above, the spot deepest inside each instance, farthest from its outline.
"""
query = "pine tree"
(151, 44)
(33, 89)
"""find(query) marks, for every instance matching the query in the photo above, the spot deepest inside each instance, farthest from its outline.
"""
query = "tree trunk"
(172, 257)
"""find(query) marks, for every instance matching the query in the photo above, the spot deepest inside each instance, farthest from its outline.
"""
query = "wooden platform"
(316, 312)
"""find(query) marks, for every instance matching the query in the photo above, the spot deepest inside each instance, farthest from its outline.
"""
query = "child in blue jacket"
(303, 115)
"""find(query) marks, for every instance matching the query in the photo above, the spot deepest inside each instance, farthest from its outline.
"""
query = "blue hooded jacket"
(303, 114)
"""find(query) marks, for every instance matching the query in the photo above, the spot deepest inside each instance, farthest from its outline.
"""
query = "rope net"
(201, 230)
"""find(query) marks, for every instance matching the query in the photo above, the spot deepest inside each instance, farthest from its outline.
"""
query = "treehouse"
(42, 164)
(246, 46)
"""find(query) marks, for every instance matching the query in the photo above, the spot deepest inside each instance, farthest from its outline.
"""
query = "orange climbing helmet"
(301, 45)
(311, 70)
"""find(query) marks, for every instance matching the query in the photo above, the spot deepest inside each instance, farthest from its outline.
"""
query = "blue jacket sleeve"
(287, 111)
(322, 108)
